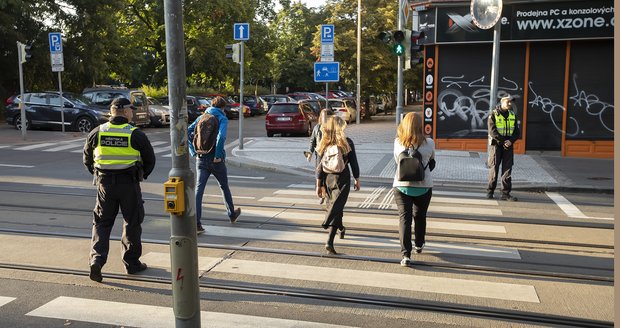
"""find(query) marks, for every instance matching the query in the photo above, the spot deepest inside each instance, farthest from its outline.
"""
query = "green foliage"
(124, 42)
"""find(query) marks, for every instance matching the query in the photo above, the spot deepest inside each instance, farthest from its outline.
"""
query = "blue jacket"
(221, 134)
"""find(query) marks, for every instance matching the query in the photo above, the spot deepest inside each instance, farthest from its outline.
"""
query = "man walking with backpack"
(207, 136)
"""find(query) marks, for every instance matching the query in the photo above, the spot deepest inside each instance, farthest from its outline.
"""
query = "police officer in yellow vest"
(503, 132)
(119, 156)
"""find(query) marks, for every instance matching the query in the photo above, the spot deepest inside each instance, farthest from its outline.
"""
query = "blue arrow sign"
(327, 72)
(327, 33)
(241, 31)
(55, 42)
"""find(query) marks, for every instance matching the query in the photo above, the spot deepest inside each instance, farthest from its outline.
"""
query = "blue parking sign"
(241, 31)
(55, 42)
(327, 33)
(326, 72)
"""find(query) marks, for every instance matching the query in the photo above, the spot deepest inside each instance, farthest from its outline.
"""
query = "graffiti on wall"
(468, 101)
(591, 103)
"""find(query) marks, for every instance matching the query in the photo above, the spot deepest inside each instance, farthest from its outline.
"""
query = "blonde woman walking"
(413, 197)
(333, 177)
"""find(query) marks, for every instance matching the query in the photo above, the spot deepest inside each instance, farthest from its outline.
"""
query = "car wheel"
(84, 124)
(269, 134)
(17, 122)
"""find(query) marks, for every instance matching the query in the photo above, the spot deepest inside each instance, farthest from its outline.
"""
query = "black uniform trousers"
(499, 155)
(113, 192)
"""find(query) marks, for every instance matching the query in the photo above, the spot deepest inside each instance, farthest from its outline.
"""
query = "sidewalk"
(536, 171)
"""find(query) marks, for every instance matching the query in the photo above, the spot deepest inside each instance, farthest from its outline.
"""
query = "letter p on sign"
(327, 33)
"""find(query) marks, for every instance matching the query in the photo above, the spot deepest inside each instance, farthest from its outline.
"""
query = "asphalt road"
(487, 263)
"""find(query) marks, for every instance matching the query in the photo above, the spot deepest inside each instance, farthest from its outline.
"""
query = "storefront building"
(556, 58)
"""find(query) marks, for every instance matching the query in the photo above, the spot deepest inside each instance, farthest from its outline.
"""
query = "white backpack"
(332, 160)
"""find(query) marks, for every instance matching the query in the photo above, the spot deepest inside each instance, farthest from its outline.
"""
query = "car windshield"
(249, 101)
(337, 103)
(77, 99)
(277, 109)
(153, 101)
(204, 101)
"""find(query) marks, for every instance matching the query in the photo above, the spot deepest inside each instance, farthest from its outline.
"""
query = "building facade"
(556, 58)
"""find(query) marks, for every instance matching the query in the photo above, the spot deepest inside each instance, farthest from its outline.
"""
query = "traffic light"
(416, 48)
(24, 51)
(236, 53)
(394, 39)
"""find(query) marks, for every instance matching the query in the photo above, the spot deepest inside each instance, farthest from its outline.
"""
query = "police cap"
(122, 103)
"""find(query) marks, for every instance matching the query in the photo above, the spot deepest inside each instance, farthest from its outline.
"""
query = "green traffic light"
(399, 49)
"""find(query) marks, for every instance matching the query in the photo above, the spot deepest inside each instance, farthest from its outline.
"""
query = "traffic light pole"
(183, 245)
(241, 64)
(399, 82)
(22, 110)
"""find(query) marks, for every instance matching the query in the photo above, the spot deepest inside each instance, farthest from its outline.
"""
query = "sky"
(313, 3)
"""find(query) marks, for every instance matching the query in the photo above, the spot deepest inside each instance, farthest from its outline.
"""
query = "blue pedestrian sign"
(241, 31)
(327, 33)
(326, 72)
(55, 42)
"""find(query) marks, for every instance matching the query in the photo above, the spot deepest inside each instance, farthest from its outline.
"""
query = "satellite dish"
(486, 13)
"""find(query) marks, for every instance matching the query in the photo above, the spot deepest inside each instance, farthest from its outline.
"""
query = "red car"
(289, 118)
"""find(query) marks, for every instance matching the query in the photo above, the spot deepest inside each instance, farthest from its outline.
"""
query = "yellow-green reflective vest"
(505, 126)
(114, 151)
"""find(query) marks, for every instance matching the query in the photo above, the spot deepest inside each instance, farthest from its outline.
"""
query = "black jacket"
(139, 141)
(497, 138)
(315, 138)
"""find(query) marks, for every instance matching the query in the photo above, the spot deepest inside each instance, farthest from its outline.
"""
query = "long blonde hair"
(410, 131)
(333, 134)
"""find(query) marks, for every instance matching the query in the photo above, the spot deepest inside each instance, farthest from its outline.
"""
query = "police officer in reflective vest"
(119, 156)
(503, 132)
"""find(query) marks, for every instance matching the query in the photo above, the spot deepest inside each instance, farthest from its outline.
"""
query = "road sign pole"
(183, 244)
(327, 91)
(495, 66)
(22, 110)
(399, 79)
(62, 103)
(358, 88)
(241, 64)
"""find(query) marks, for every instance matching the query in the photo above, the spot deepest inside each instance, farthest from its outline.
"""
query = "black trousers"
(498, 155)
(411, 208)
(111, 195)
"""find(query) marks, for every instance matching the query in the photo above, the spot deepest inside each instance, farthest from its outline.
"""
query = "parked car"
(256, 105)
(309, 95)
(316, 105)
(275, 98)
(43, 109)
(290, 117)
(344, 108)
(102, 97)
(159, 114)
(193, 110)
(228, 108)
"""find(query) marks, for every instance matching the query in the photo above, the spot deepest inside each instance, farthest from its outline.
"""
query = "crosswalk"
(447, 202)
(76, 146)
(150, 316)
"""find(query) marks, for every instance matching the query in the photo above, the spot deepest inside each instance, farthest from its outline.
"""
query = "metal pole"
(241, 64)
(327, 92)
(62, 103)
(494, 76)
(183, 247)
(359, 62)
(399, 82)
(22, 110)
(495, 66)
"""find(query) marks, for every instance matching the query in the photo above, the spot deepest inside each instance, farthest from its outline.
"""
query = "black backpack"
(205, 134)
(410, 166)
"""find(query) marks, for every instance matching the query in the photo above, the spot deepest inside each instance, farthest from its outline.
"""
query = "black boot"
(330, 240)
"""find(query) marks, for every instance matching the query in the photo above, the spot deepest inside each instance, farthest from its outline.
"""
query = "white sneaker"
(418, 249)
(406, 261)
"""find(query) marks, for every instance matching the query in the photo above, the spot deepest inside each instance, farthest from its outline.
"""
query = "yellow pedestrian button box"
(174, 196)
